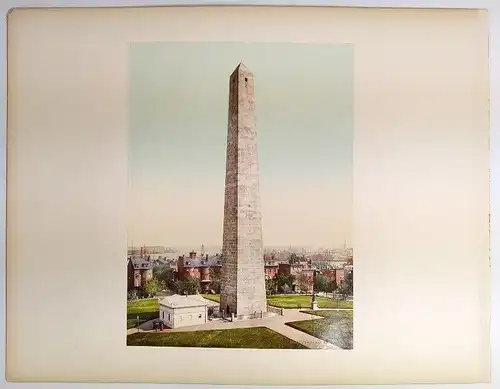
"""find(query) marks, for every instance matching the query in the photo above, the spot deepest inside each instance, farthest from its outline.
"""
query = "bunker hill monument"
(243, 292)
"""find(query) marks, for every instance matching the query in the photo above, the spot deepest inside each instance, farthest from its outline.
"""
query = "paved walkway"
(275, 323)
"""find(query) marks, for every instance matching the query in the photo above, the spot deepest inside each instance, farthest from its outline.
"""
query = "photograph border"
(494, 12)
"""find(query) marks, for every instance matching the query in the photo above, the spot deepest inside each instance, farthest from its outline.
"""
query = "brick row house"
(139, 271)
(198, 266)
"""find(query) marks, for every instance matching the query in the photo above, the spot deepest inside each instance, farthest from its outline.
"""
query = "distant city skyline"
(217, 248)
(178, 129)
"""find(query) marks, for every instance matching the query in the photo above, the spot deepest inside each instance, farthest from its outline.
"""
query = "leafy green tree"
(191, 285)
(166, 275)
(331, 286)
(280, 280)
(270, 285)
(305, 282)
(321, 283)
(215, 279)
(132, 294)
(153, 286)
(177, 287)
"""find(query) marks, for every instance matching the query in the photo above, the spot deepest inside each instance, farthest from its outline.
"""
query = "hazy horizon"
(178, 129)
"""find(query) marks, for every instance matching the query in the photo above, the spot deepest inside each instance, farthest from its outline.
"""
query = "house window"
(162, 315)
(169, 317)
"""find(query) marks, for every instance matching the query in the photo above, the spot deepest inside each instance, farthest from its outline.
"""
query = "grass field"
(212, 297)
(304, 301)
(256, 338)
(296, 301)
(146, 309)
(336, 327)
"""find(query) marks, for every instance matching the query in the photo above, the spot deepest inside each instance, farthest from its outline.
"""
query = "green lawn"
(296, 301)
(146, 309)
(336, 327)
(212, 297)
(255, 338)
(304, 301)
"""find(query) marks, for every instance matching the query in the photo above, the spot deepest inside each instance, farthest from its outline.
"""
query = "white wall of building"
(183, 317)
(167, 315)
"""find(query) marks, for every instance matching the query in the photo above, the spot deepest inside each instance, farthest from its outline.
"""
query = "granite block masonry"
(243, 291)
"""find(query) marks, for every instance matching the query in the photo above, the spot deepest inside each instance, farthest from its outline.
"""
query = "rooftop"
(213, 260)
(178, 301)
(141, 263)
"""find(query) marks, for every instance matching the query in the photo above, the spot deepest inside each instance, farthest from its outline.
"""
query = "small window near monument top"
(246, 79)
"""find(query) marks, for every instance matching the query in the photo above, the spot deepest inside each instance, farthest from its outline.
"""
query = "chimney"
(206, 257)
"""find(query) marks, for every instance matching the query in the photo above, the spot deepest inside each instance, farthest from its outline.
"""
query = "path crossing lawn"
(254, 337)
(336, 327)
(296, 301)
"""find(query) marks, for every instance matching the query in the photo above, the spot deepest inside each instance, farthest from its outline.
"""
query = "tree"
(132, 294)
(166, 275)
(153, 286)
(191, 285)
(215, 279)
(280, 280)
(331, 286)
(305, 282)
(349, 283)
(177, 286)
(270, 285)
(321, 283)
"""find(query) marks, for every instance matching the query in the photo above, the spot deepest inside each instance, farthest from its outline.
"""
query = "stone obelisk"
(243, 291)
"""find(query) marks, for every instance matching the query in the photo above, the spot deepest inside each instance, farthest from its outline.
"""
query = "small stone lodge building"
(182, 311)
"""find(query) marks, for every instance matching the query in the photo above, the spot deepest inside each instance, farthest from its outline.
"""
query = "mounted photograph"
(240, 196)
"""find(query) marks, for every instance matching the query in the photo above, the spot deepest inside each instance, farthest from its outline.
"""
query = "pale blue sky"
(178, 129)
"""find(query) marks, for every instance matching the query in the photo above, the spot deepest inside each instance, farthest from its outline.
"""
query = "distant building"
(198, 266)
(139, 271)
(339, 276)
(271, 266)
(329, 274)
(305, 281)
(182, 311)
(293, 269)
